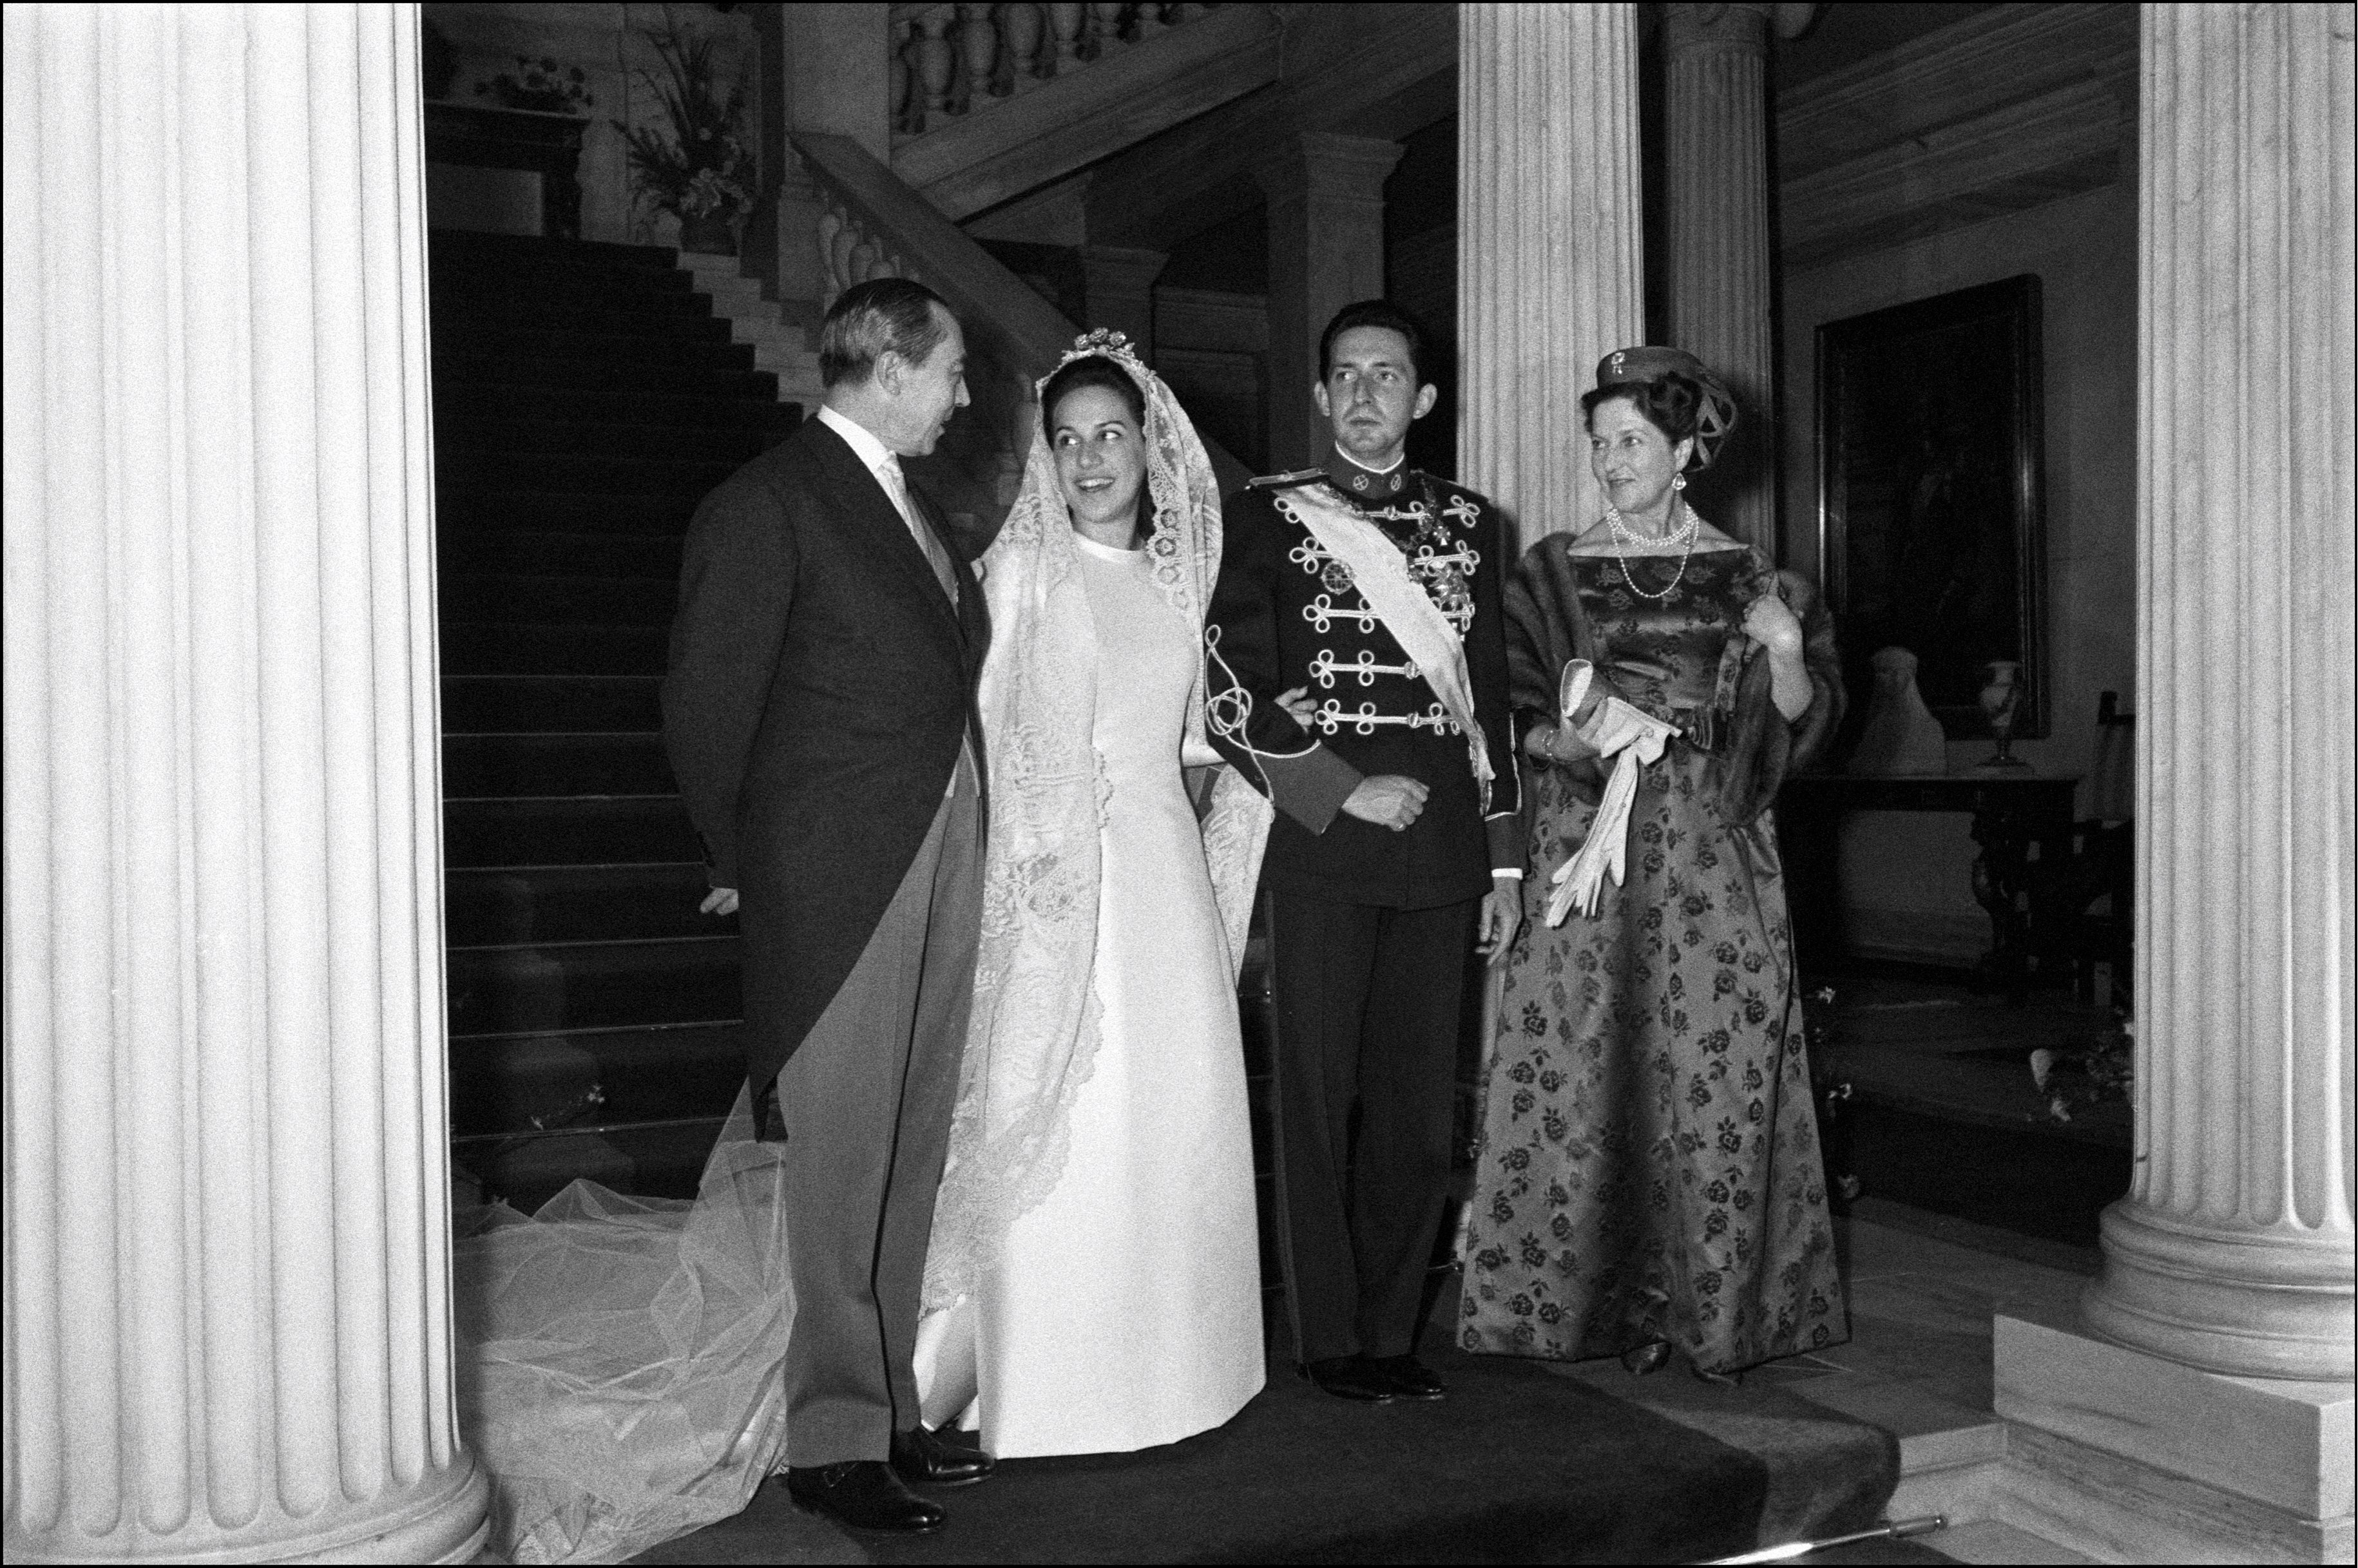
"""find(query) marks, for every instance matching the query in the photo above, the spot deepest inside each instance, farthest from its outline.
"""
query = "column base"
(2244, 1303)
(2130, 1457)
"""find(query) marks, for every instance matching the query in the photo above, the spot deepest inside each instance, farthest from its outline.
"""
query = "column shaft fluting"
(227, 1290)
(1326, 250)
(1549, 245)
(1716, 113)
(2232, 1249)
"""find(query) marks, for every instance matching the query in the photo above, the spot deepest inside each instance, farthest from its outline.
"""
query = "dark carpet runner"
(585, 399)
(1518, 1465)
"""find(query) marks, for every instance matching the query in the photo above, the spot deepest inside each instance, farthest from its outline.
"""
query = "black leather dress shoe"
(1408, 1377)
(924, 1457)
(1350, 1378)
(863, 1494)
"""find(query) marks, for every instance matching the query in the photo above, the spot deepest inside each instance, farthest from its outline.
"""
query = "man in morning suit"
(1385, 854)
(819, 714)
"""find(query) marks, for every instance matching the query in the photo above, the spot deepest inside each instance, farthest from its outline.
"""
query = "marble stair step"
(671, 317)
(461, 502)
(488, 766)
(527, 440)
(509, 250)
(502, 1083)
(504, 905)
(606, 602)
(597, 474)
(496, 402)
(629, 351)
(567, 830)
(594, 373)
(541, 648)
(568, 704)
(592, 985)
(656, 1160)
(530, 552)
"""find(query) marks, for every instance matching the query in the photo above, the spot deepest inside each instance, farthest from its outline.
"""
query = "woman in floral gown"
(1648, 1175)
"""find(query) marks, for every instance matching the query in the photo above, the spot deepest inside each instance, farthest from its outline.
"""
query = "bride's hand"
(1298, 706)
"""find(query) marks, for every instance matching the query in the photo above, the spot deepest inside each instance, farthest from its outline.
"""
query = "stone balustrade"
(949, 61)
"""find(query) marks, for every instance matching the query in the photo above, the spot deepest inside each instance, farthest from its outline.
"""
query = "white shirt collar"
(858, 437)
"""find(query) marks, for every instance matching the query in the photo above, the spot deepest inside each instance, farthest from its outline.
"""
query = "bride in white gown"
(1094, 1283)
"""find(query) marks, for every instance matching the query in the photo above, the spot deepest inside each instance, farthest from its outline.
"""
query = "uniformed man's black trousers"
(1367, 1000)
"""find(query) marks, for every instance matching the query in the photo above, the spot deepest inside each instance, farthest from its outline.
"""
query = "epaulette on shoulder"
(1272, 480)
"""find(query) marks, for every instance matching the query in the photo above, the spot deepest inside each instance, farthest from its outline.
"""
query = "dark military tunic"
(1370, 930)
(1287, 614)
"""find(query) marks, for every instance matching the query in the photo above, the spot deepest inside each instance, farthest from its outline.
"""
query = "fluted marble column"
(227, 1290)
(1716, 115)
(2232, 1249)
(1549, 245)
(1326, 250)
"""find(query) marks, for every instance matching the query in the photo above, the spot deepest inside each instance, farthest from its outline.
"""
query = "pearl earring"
(1678, 482)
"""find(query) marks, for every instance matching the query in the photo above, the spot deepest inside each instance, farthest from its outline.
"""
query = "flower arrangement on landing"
(538, 84)
(700, 168)
(2103, 1069)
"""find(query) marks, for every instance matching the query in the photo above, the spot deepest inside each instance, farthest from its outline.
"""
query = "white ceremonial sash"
(1380, 571)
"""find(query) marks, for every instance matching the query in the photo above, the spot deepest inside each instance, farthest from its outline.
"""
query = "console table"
(2012, 812)
(546, 144)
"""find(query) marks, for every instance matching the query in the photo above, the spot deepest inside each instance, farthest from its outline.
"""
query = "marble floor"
(1923, 1288)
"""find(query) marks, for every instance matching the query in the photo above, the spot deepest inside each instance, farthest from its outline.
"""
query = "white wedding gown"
(1123, 1310)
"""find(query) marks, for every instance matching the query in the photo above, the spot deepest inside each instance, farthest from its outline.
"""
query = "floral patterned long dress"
(1648, 1165)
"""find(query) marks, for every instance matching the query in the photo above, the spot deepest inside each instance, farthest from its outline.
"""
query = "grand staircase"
(586, 397)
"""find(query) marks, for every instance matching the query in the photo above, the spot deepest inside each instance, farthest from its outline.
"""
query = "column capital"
(1325, 163)
(1745, 25)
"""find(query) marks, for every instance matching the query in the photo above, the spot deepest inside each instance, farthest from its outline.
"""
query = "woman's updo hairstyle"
(1672, 391)
(1090, 370)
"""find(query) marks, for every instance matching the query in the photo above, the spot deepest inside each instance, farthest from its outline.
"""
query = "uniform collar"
(1365, 483)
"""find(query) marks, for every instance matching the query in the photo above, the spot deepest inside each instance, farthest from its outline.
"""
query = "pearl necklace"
(1624, 535)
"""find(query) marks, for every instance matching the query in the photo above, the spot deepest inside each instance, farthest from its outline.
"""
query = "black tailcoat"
(820, 684)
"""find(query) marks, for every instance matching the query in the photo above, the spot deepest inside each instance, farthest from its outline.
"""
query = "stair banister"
(1014, 331)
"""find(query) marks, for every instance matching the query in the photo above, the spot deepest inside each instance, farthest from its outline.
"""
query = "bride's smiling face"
(1100, 456)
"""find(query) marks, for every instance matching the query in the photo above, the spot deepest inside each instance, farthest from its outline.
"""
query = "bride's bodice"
(1146, 668)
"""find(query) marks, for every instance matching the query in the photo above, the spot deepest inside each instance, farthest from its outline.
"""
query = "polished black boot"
(862, 1493)
(925, 1458)
(1408, 1377)
(1350, 1378)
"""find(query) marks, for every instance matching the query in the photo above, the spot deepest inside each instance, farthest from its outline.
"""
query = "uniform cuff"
(1505, 833)
(1310, 789)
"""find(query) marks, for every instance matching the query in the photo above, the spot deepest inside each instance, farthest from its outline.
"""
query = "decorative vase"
(1900, 738)
(711, 236)
(2001, 696)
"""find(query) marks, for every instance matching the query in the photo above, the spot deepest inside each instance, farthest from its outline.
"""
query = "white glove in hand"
(1633, 738)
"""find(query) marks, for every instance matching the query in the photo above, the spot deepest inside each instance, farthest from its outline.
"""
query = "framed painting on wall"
(1931, 507)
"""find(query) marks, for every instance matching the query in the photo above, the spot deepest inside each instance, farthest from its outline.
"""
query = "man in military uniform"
(1388, 849)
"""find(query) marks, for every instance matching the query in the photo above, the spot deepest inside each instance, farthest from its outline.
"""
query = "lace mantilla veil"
(1034, 1037)
(617, 1357)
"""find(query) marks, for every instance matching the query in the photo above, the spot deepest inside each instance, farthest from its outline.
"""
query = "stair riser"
(574, 473)
(524, 553)
(661, 1161)
(479, 648)
(582, 832)
(460, 403)
(499, 704)
(646, 1075)
(601, 351)
(578, 903)
(479, 766)
(603, 601)
(461, 505)
(675, 317)
(512, 990)
(599, 375)
(530, 440)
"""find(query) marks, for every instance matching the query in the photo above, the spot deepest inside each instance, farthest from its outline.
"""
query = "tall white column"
(2232, 1248)
(1549, 248)
(1326, 250)
(1716, 114)
(227, 1292)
